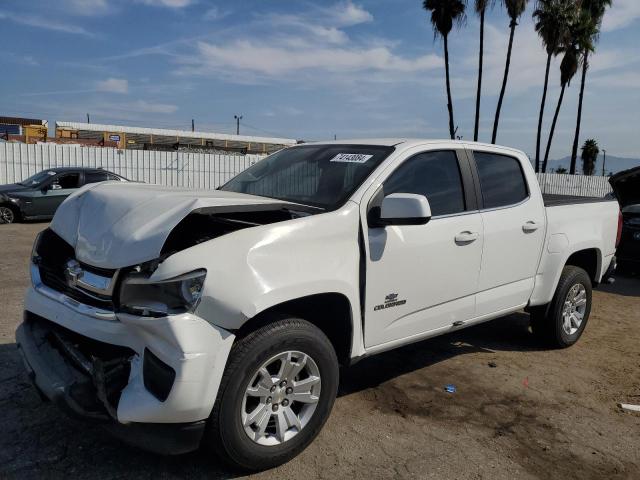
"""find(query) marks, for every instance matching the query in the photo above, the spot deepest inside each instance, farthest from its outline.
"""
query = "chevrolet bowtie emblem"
(73, 272)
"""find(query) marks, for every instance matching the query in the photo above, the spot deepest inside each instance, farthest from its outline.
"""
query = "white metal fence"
(578, 185)
(196, 170)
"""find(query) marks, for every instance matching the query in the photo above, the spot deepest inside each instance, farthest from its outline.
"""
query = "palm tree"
(444, 13)
(515, 8)
(593, 11)
(481, 9)
(590, 152)
(553, 19)
(568, 68)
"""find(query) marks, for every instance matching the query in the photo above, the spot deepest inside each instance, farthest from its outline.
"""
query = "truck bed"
(554, 200)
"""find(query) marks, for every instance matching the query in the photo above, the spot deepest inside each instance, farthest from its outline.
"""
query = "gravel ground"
(519, 411)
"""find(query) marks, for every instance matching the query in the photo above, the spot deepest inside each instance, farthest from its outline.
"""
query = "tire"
(228, 434)
(8, 214)
(558, 324)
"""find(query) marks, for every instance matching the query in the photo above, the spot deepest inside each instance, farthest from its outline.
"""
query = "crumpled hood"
(114, 224)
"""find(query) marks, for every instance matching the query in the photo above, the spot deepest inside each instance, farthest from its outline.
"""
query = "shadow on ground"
(38, 440)
(626, 284)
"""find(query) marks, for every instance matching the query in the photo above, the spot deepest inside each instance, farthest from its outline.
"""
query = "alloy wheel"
(281, 398)
(6, 215)
(574, 308)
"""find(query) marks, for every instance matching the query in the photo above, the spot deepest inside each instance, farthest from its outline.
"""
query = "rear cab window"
(502, 181)
(95, 177)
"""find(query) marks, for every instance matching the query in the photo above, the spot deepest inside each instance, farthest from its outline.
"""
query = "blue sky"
(303, 69)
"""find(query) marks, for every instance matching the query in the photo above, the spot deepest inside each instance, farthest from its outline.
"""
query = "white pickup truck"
(181, 318)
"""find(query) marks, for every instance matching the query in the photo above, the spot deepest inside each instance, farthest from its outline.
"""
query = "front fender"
(251, 270)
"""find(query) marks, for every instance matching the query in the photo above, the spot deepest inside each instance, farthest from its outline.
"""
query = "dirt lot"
(536, 413)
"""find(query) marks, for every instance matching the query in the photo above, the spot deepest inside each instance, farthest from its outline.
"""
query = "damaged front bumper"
(85, 378)
(150, 381)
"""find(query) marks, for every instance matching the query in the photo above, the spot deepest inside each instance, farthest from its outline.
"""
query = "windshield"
(37, 179)
(323, 176)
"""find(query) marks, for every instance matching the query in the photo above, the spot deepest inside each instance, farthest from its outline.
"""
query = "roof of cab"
(76, 169)
(410, 142)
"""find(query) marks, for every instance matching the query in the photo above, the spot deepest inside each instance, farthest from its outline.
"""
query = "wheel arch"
(590, 260)
(331, 312)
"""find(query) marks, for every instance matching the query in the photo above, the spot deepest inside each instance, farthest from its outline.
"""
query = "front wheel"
(277, 391)
(562, 322)
(7, 214)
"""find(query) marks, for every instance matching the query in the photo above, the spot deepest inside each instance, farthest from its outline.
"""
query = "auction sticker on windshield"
(351, 157)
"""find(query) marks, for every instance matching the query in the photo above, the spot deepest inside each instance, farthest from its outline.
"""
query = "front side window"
(67, 180)
(436, 175)
(501, 179)
(323, 176)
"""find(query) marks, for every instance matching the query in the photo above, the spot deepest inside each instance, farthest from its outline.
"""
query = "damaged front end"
(82, 376)
(85, 378)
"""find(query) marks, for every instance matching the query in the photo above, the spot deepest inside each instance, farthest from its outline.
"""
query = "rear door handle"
(467, 237)
(530, 227)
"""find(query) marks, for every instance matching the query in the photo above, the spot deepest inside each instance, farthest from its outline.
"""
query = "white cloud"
(622, 14)
(619, 80)
(214, 13)
(113, 85)
(312, 44)
(45, 23)
(149, 107)
(168, 3)
(527, 63)
(347, 14)
(273, 59)
(303, 24)
(88, 7)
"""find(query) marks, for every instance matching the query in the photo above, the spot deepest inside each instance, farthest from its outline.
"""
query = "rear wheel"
(277, 391)
(8, 214)
(562, 322)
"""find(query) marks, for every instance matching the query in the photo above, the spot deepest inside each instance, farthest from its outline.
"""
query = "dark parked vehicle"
(627, 187)
(38, 197)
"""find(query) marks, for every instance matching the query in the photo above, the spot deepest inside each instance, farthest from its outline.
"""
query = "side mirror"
(401, 209)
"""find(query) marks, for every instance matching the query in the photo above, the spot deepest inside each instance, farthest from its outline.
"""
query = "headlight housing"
(141, 296)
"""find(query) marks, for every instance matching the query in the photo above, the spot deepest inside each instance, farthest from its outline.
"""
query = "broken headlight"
(141, 296)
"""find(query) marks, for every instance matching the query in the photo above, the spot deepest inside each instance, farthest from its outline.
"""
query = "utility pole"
(604, 160)
(193, 125)
(88, 119)
(238, 118)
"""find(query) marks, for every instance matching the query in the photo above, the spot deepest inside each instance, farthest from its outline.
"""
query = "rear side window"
(501, 179)
(436, 175)
(95, 177)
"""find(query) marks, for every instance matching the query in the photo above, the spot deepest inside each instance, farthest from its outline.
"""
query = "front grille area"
(53, 253)
(92, 373)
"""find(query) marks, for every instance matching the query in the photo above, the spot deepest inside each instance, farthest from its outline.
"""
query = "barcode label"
(351, 158)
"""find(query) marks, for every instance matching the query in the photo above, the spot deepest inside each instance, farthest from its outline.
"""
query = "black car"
(38, 197)
(627, 187)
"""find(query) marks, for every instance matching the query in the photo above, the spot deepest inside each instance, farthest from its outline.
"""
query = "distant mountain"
(614, 164)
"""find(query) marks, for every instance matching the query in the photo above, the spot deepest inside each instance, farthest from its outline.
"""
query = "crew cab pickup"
(182, 318)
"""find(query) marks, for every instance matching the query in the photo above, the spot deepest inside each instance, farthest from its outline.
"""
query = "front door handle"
(467, 237)
(530, 227)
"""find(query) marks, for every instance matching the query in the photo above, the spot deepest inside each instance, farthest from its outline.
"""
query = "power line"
(264, 131)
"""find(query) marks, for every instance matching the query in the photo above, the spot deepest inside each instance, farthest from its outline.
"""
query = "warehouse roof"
(96, 127)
